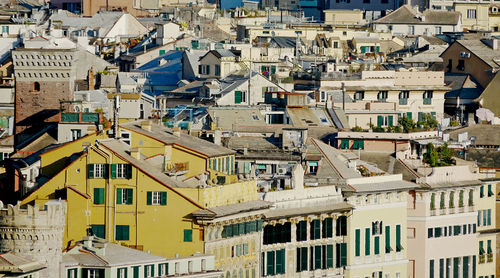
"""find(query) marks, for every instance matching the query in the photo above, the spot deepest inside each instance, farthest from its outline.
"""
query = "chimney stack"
(176, 131)
(135, 153)
(146, 125)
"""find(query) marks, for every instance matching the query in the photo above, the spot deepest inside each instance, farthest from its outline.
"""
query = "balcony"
(489, 258)
(176, 168)
(427, 101)
(482, 259)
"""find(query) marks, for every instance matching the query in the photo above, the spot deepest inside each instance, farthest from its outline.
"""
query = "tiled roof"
(407, 15)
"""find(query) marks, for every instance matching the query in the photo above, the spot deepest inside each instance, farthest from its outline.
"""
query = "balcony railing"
(177, 167)
(482, 259)
(490, 258)
(80, 117)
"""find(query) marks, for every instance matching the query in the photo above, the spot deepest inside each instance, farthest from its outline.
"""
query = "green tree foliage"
(407, 124)
(440, 156)
(428, 122)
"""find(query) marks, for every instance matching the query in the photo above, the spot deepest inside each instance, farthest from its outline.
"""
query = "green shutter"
(227, 165)
(380, 120)
(420, 116)
(358, 242)
(317, 257)
(377, 245)
(363, 49)
(149, 195)
(270, 263)
(329, 256)
(303, 258)
(119, 195)
(343, 254)
(145, 271)
(91, 170)
(328, 227)
(237, 97)
(398, 238)
(163, 198)
(153, 270)
(387, 239)
(280, 261)
(390, 120)
(122, 232)
(367, 241)
(273, 69)
(136, 271)
(98, 196)
(113, 171)
(98, 230)
(130, 196)
(263, 69)
(408, 114)
(378, 49)
(128, 169)
(433, 114)
(188, 235)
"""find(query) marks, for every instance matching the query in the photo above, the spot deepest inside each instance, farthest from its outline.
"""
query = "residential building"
(217, 64)
(97, 257)
(474, 57)
(404, 88)
(441, 212)
(474, 15)
(16, 266)
(407, 20)
(381, 142)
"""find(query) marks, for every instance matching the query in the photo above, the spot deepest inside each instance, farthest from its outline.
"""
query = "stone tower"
(34, 233)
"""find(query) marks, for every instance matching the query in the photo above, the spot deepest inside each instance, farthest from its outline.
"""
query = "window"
(122, 232)
(98, 230)
(376, 245)
(5, 29)
(430, 233)
(452, 201)
(122, 272)
(367, 241)
(341, 252)
(377, 228)
(481, 191)
(121, 171)
(471, 13)
(399, 247)
(431, 269)
(204, 69)
(188, 235)
(301, 259)
(149, 270)
(125, 136)
(382, 96)
(93, 273)
(97, 171)
(427, 97)
(471, 197)
(461, 65)
(124, 196)
(439, 30)
(461, 199)
(359, 95)
(388, 248)
(217, 70)
(490, 191)
(411, 30)
(98, 196)
(156, 198)
(385, 120)
(344, 144)
(36, 87)
(341, 229)
(312, 167)
(302, 231)
(403, 97)
(328, 227)
(433, 201)
(315, 229)
(163, 269)
(72, 273)
(441, 202)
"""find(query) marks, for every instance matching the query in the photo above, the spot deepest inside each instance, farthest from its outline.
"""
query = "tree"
(441, 156)
(407, 124)
(428, 121)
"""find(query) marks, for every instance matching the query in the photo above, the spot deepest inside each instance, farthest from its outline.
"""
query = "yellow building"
(141, 190)
(474, 15)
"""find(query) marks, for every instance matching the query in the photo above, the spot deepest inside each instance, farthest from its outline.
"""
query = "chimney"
(146, 125)
(218, 137)
(91, 79)
(135, 153)
(176, 131)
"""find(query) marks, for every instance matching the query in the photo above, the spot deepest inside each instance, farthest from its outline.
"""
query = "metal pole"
(343, 96)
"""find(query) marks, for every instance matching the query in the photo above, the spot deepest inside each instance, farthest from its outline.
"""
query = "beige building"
(474, 15)
(344, 17)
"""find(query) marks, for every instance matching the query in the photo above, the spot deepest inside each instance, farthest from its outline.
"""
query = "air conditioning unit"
(282, 171)
(464, 54)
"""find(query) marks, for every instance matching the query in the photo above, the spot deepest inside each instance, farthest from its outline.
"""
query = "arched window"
(461, 198)
(433, 201)
(452, 201)
(36, 87)
(471, 197)
(441, 203)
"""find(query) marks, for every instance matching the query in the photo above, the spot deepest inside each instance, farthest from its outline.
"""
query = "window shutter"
(420, 116)
(377, 245)
(408, 114)
(398, 238)
(387, 239)
(380, 121)
(200, 69)
(263, 69)
(119, 195)
(279, 261)
(273, 69)
(317, 257)
(343, 254)
(136, 271)
(163, 198)
(129, 171)
(329, 256)
(270, 263)
(145, 271)
(390, 120)
(188, 235)
(358, 243)
(130, 196)
(113, 171)
(91, 170)
(367, 241)
(149, 197)
(96, 195)
(337, 255)
(152, 270)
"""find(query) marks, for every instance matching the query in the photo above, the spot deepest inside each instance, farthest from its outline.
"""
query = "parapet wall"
(34, 233)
